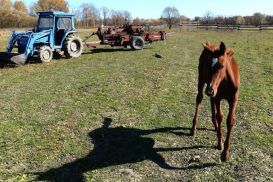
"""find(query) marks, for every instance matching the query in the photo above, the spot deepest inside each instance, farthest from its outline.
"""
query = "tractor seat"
(59, 34)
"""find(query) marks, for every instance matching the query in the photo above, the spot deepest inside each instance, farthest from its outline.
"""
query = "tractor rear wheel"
(137, 43)
(45, 54)
(73, 46)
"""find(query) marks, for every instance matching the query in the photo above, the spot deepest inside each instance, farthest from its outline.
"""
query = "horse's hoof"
(219, 146)
(224, 157)
(193, 133)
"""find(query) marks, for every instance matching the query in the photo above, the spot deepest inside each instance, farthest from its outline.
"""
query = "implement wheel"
(163, 35)
(73, 47)
(137, 43)
(45, 54)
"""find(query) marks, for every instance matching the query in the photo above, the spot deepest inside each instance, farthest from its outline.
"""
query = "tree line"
(256, 19)
(86, 15)
(171, 16)
(16, 14)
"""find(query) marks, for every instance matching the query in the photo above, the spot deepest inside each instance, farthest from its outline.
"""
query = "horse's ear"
(222, 48)
(207, 46)
(230, 52)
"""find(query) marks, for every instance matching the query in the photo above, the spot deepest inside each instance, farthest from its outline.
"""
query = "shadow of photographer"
(115, 146)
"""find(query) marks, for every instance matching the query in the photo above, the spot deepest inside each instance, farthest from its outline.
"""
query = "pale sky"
(189, 8)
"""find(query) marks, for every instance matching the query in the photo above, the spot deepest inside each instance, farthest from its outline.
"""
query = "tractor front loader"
(53, 36)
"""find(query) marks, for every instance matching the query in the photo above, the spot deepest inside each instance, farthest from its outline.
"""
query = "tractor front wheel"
(45, 54)
(137, 43)
(73, 47)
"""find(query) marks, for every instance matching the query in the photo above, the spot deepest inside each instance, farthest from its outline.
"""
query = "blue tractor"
(53, 36)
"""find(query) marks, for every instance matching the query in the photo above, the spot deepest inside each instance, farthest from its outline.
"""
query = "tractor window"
(45, 23)
(64, 23)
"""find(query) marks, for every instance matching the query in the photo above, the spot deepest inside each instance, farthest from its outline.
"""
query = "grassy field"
(53, 117)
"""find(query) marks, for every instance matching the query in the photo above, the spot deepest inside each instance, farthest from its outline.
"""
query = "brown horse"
(219, 70)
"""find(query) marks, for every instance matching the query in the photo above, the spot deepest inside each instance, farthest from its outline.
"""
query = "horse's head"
(219, 57)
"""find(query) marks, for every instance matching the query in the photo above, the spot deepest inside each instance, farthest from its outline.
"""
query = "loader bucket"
(19, 59)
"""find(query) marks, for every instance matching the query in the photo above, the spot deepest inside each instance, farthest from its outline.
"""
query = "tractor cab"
(53, 34)
(59, 22)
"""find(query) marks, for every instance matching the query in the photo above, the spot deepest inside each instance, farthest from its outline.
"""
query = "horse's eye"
(217, 67)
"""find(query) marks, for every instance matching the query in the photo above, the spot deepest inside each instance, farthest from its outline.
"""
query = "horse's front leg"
(213, 114)
(199, 99)
(219, 117)
(230, 124)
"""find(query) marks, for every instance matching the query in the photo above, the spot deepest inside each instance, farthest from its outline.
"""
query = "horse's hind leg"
(199, 99)
(230, 124)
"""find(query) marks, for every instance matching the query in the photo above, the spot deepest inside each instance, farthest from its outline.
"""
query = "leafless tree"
(208, 17)
(258, 18)
(239, 20)
(14, 15)
(183, 19)
(88, 15)
(49, 5)
(127, 16)
(117, 18)
(105, 13)
(171, 16)
(269, 19)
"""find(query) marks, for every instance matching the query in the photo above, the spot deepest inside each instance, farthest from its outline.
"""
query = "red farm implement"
(128, 35)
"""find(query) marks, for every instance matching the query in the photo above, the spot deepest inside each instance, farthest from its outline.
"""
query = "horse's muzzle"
(209, 91)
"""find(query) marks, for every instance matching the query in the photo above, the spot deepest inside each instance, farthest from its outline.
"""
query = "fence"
(217, 27)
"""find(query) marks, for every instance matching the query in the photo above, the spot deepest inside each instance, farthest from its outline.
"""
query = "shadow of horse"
(116, 146)
(5, 60)
(110, 50)
(101, 50)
